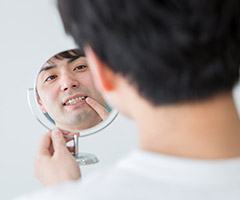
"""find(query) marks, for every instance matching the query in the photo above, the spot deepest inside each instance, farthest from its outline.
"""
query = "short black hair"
(171, 50)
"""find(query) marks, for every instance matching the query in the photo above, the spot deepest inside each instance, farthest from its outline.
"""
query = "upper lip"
(73, 97)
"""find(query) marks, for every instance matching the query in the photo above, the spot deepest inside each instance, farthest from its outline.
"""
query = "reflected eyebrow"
(48, 67)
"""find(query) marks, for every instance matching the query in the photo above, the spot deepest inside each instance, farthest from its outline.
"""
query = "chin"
(116, 103)
(123, 110)
(126, 114)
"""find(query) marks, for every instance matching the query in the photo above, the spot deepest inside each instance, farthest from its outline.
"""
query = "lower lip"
(79, 104)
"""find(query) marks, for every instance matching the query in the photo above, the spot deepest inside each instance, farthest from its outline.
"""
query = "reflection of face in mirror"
(66, 92)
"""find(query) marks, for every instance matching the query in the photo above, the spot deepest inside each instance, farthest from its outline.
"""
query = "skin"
(60, 80)
(207, 129)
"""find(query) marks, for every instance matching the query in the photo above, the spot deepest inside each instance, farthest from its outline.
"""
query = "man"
(171, 67)
(66, 93)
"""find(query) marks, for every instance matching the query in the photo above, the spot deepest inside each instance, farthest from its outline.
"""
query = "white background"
(31, 32)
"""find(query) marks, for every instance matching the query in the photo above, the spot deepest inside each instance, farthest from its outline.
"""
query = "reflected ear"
(104, 77)
(42, 108)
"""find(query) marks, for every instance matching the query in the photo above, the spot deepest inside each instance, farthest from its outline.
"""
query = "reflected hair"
(72, 55)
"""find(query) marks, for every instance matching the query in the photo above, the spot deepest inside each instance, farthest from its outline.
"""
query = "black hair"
(170, 50)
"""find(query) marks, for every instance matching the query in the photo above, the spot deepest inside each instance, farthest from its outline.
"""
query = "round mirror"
(64, 96)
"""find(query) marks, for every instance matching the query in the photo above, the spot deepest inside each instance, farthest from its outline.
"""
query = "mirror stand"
(82, 158)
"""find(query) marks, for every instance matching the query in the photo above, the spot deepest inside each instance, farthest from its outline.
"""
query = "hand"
(54, 162)
(100, 110)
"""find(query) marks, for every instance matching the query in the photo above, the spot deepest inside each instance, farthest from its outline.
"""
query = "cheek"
(88, 82)
(48, 97)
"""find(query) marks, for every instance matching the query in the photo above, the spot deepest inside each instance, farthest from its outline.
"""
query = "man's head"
(171, 51)
(63, 83)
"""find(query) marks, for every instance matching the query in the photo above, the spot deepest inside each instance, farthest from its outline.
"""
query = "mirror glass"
(64, 96)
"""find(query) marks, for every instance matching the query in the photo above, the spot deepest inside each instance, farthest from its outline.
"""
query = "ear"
(42, 108)
(104, 77)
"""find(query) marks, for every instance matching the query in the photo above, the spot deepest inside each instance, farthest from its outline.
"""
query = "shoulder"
(121, 179)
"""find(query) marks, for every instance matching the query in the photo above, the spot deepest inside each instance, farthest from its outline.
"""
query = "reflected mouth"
(72, 101)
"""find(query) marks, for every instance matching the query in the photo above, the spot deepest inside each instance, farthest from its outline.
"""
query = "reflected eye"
(49, 78)
(80, 68)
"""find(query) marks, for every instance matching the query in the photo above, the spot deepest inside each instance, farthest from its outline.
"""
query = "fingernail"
(88, 99)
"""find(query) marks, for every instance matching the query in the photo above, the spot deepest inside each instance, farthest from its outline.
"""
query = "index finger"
(45, 144)
(101, 110)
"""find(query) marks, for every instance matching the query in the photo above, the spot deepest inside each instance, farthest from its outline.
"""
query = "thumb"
(58, 141)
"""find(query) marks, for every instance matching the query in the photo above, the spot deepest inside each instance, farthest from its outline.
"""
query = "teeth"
(75, 100)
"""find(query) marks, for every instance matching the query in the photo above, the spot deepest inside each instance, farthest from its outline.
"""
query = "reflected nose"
(68, 83)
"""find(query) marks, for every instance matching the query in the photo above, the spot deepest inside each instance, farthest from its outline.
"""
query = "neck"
(204, 130)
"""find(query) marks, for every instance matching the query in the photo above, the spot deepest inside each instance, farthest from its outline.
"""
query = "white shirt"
(145, 175)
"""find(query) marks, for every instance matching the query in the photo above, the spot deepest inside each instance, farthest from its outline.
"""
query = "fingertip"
(88, 99)
(56, 133)
(92, 102)
(57, 139)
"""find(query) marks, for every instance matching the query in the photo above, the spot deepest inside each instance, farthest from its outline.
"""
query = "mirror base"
(86, 159)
